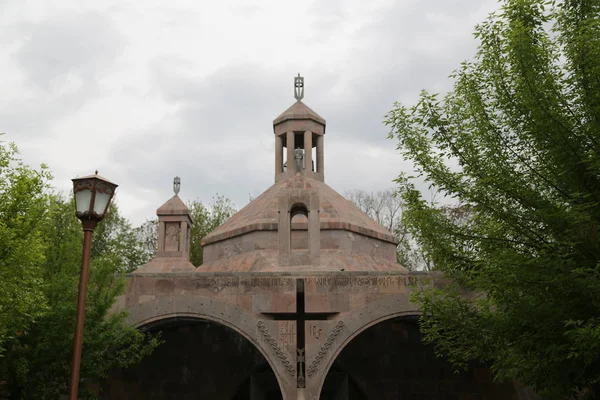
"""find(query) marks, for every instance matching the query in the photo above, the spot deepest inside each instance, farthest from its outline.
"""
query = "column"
(161, 235)
(284, 228)
(291, 162)
(320, 163)
(183, 238)
(308, 151)
(314, 229)
(278, 155)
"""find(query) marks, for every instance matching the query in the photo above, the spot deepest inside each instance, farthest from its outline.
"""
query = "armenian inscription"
(287, 332)
(360, 281)
(314, 331)
(210, 282)
(276, 349)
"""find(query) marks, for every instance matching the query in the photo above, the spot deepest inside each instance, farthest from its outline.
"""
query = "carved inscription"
(276, 349)
(359, 281)
(314, 331)
(266, 282)
(287, 332)
(223, 282)
(216, 283)
(325, 348)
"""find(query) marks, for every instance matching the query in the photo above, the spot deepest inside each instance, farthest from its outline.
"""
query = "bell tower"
(301, 132)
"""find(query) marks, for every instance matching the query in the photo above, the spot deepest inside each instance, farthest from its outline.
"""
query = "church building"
(299, 297)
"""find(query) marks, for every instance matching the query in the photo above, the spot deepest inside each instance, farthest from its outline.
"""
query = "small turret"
(300, 130)
(174, 228)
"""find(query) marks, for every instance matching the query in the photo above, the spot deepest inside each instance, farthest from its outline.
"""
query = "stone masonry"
(299, 272)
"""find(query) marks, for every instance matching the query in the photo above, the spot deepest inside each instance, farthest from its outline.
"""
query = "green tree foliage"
(147, 237)
(206, 219)
(22, 247)
(115, 236)
(517, 141)
(40, 264)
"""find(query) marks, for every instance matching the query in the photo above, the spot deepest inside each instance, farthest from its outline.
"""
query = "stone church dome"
(300, 223)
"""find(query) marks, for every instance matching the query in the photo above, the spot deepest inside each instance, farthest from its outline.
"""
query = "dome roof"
(336, 212)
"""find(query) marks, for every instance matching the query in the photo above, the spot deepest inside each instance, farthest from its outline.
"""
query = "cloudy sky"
(146, 90)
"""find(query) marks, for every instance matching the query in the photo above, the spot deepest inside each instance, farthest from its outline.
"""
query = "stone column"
(284, 229)
(308, 151)
(278, 155)
(314, 229)
(291, 161)
(161, 236)
(320, 152)
(183, 239)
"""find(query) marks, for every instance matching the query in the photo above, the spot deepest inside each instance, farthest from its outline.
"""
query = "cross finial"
(176, 184)
(299, 87)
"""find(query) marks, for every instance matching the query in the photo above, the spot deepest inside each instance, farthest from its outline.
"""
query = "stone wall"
(333, 239)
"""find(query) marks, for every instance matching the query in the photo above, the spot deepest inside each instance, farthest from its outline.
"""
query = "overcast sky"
(146, 90)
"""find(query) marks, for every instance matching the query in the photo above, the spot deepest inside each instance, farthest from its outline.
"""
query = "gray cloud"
(62, 60)
(81, 45)
(216, 130)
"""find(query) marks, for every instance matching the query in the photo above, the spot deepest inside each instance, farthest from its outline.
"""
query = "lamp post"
(93, 194)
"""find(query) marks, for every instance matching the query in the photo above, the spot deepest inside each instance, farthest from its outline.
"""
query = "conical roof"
(299, 110)
(336, 212)
(173, 206)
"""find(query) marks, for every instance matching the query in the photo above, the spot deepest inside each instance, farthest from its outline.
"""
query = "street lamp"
(93, 194)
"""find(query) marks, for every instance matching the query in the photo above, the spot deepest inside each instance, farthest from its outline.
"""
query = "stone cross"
(300, 316)
(299, 87)
(176, 184)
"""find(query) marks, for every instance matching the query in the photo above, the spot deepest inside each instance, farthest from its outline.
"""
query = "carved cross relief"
(172, 236)
(300, 317)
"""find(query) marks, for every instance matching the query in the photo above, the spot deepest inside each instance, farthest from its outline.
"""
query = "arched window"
(299, 228)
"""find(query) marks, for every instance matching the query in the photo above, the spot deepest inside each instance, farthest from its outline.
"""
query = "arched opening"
(199, 359)
(299, 228)
(389, 361)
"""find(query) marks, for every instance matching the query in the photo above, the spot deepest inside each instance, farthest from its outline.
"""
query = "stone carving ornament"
(276, 349)
(325, 348)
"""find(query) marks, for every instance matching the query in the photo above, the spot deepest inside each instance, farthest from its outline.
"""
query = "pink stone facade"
(344, 262)
(238, 300)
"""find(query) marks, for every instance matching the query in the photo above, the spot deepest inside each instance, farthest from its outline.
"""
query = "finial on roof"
(176, 185)
(299, 87)
(96, 172)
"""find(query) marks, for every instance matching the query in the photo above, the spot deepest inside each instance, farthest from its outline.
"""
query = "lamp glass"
(101, 202)
(83, 199)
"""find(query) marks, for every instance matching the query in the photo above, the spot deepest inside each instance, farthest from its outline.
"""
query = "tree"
(517, 142)
(385, 208)
(147, 236)
(40, 268)
(116, 236)
(206, 219)
(22, 210)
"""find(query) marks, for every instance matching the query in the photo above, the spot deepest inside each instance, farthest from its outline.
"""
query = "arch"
(390, 349)
(203, 308)
(352, 336)
(357, 326)
(298, 208)
(299, 235)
